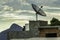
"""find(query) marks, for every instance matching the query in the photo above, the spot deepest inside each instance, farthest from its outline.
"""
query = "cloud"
(53, 10)
(15, 4)
(57, 3)
(7, 8)
(3, 1)
(42, 2)
(18, 4)
(49, 7)
(15, 16)
(24, 2)
(19, 11)
(20, 7)
(51, 15)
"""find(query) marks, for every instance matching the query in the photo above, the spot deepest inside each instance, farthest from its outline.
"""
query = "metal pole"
(36, 17)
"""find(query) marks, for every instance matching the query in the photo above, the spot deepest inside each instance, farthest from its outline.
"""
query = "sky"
(21, 11)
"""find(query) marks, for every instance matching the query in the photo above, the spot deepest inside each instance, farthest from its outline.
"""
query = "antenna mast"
(36, 16)
(38, 11)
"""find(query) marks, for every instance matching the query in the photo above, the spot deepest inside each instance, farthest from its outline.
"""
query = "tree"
(55, 22)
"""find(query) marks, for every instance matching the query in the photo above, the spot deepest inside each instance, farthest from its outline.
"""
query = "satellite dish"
(38, 10)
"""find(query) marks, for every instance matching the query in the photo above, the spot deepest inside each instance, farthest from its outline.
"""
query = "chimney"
(26, 27)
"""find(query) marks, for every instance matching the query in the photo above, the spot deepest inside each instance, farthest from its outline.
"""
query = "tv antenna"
(38, 11)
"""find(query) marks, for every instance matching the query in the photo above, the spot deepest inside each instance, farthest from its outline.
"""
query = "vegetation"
(55, 22)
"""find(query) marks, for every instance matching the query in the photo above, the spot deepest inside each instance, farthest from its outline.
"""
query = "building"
(43, 29)
(49, 31)
(37, 29)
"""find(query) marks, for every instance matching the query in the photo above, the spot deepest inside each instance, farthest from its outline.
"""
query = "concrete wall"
(34, 25)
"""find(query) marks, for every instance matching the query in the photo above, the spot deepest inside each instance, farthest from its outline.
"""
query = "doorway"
(51, 34)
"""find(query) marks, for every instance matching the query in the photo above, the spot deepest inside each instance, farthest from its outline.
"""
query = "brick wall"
(44, 31)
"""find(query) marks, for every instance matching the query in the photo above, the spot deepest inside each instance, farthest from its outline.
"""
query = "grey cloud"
(16, 4)
(53, 10)
(57, 3)
(26, 7)
(27, 14)
(52, 3)
(42, 2)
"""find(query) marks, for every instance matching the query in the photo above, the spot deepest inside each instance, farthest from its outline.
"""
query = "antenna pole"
(36, 17)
